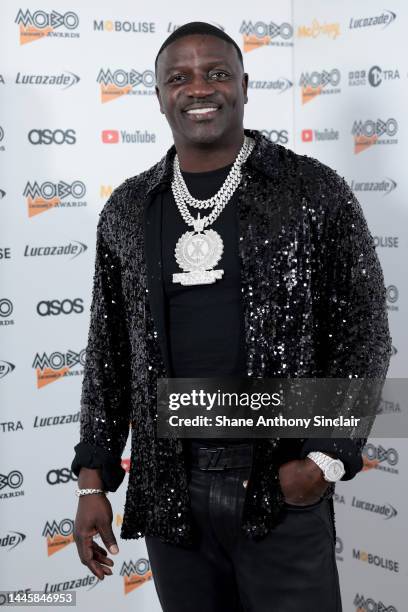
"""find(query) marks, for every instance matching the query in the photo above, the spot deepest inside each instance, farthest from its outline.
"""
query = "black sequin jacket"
(314, 306)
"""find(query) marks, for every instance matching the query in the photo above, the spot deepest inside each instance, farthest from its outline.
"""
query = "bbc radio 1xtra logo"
(36, 24)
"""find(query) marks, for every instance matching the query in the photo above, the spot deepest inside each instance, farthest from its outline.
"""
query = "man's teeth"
(201, 111)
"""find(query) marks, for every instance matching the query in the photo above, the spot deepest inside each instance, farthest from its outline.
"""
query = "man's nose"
(200, 87)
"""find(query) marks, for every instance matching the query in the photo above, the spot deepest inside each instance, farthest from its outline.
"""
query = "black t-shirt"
(205, 322)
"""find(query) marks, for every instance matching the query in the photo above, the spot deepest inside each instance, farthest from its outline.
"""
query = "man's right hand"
(94, 516)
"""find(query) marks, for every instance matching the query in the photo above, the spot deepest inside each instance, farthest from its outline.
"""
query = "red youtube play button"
(307, 135)
(110, 136)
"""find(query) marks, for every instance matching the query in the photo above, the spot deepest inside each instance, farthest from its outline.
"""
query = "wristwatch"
(333, 469)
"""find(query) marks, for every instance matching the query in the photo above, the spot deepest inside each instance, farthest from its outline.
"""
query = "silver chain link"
(218, 201)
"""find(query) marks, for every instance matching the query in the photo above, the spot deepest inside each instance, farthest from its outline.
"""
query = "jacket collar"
(264, 158)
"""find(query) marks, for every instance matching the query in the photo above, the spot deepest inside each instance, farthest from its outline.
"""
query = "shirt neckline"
(208, 173)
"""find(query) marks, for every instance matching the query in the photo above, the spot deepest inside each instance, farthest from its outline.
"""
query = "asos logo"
(47, 137)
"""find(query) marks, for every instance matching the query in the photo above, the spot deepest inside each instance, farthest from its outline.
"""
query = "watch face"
(334, 471)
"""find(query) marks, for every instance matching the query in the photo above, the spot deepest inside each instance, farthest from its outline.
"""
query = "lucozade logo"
(50, 368)
(44, 196)
(5, 368)
(58, 535)
(261, 34)
(384, 186)
(117, 83)
(12, 539)
(73, 248)
(385, 19)
(38, 24)
(374, 132)
(135, 574)
(64, 79)
(316, 83)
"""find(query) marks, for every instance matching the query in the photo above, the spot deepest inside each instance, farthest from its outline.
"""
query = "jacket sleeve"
(356, 341)
(105, 396)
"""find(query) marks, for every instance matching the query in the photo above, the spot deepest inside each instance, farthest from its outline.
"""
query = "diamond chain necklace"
(198, 251)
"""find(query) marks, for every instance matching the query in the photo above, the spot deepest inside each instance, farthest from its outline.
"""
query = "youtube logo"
(307, 135)
(110, 136)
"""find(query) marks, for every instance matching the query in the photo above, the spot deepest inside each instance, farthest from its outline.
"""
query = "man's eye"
(176, 77)
(220, 73)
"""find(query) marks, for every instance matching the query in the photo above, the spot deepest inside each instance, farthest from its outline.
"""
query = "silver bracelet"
(80, 492)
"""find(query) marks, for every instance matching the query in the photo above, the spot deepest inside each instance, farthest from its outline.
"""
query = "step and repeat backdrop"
(79, 115)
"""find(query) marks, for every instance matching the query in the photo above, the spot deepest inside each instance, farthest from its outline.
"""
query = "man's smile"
(202, 112)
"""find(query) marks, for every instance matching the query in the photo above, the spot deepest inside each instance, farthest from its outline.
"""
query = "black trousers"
(292, 569)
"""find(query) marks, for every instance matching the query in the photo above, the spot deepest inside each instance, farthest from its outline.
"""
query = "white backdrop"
(78, 116)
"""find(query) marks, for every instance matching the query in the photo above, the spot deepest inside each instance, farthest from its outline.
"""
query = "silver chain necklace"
(198, 251)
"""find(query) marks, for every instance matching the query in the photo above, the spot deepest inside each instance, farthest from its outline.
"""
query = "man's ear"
(159, 99)
(245, 86)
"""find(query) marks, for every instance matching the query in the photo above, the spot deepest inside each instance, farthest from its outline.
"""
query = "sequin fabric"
(314, 306)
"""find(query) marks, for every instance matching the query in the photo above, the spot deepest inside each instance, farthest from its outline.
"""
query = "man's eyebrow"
(207, 63)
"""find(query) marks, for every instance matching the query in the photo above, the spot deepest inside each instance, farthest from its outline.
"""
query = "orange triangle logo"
(252, 42)
(47, 376)
(58, 542)
(133, 582)
(369, 464)
(309, 93)
(112, 92)
(30, 34)
(39, 205)
(361, 143)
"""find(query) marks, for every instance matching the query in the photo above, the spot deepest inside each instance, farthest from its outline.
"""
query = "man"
(280, 280)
